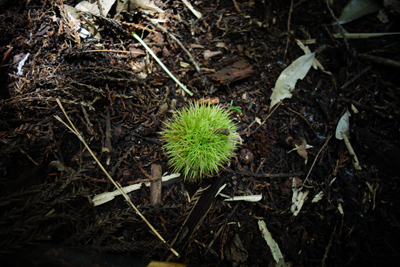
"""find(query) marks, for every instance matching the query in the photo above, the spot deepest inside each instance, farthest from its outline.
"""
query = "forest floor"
(118, 97)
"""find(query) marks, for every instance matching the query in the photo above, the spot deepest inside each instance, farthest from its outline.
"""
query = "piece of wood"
(156, 184)
(237, 71)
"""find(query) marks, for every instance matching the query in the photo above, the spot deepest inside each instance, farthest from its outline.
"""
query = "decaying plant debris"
(318, 207)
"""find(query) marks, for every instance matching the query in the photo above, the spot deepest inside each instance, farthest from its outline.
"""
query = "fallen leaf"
(222, 45)
(209, 54)
(343, 126)
(106, 6)
(86, 6)
(317, 197)
(108, 196)
(316, 64)
(288, 78)
(301, 146)
(252, 198)
(144, 5)
(356, 9)
(276, 252)
(298, 199)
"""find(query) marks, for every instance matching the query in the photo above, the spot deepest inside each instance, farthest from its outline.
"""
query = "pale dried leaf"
(340, 208)
(252, 198)
(316, 64)
(86, 6)
(222, 45)
(72, 12)
(133, 5)
(146, 5)
(298, 199)
(195, 12)
(317, 197)
(21, 64)
(358, 8)
(209, 54)
(343, 126)
(108, 196)
(288, 78)
(106, 6)
(55, 164)
(276, 252)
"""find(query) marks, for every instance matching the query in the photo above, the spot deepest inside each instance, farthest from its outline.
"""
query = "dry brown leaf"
(301, 147)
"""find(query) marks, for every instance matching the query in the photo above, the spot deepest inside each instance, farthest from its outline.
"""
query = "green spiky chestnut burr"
(198, 140)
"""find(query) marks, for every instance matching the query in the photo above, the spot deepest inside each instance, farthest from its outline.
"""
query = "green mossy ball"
(193, 142)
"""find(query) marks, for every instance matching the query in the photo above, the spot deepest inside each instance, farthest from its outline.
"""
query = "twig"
(72, 128)
(123, 8)
(28, 156)
(338, 24)
(328, 246)
(353, 155)
(107, 144)
(266, 175)
(236, 6)
(113, 51)
(359, 105)
(179, 43)
(303, 119)
(122, 159)
(288, 31)
(269, 115)
(315, 160)
(156, 184)
(161, 64)
(356, 77)
(195, 12)
(380, 61)
(144, 172)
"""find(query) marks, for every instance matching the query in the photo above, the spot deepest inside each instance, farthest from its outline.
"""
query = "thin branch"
(266, 175)
(288, 32)
(75, 131)
(315, 160)
(179, 43)
(269, 115)
(161, 64)
(338, 24)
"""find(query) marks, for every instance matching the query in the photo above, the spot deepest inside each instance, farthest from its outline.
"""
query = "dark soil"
(118, 101)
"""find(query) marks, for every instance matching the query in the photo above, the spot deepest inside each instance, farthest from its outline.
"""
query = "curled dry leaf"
(222, 45)
(301, 146)
(317, 197)
(209, 54)
(343, 126)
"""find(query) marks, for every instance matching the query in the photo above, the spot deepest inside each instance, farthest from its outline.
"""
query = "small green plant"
(199, 139)
(234, 108)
